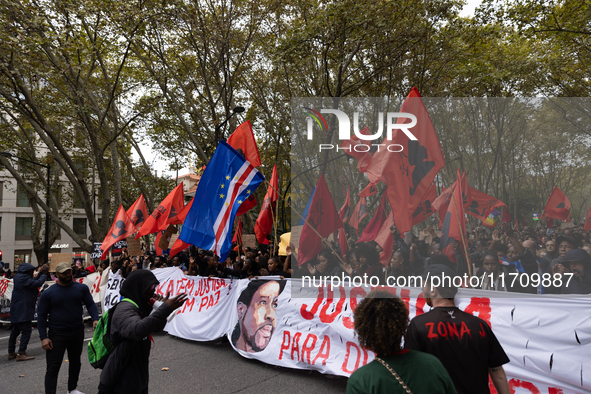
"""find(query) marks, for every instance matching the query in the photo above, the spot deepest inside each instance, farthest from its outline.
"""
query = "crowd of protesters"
(526, 261)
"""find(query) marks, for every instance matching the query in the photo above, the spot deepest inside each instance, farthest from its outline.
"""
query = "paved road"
(195, 367)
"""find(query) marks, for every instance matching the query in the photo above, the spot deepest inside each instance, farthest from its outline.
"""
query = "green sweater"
(422, 373)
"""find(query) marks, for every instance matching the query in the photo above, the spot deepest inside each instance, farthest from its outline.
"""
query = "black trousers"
(23, 328)
(72, 341)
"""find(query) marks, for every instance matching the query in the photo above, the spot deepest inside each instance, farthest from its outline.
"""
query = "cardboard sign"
(117, 248)
(249, 240)
(57, 258)
(166, 237)
(134, 246)
(567, 225)
(296, 233)
(96, 250)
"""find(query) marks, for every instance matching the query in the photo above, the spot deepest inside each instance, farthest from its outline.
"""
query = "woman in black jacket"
(126, 370)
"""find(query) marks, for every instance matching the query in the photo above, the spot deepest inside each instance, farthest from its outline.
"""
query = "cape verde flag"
(228, 180)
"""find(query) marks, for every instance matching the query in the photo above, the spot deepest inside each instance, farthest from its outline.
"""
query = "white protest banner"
(112, 289)
(210, 302)
(546, 338)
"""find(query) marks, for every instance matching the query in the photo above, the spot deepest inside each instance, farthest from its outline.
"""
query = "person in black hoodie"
(126, 370)
(22, 308)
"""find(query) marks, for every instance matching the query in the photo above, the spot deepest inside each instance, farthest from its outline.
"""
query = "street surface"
(194, 367)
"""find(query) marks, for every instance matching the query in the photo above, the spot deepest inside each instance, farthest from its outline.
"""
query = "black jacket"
(24, 295)
(126, 370)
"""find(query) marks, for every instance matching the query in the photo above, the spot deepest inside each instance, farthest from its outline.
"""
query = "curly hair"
(381, 320)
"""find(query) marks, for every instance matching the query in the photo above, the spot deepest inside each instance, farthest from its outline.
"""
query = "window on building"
(22, 198)
(79, 226)
(23, 228)
(21, 256)
(1, 190)
(78, 204)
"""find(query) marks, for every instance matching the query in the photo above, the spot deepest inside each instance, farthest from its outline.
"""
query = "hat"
(568, 239)
(62, 267)
(577, 255)
(91, 269)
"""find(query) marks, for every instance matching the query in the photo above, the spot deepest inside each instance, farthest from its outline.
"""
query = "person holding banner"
(380, 322)
(467, 347)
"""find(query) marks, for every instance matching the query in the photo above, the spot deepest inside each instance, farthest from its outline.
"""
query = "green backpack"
(100, 346)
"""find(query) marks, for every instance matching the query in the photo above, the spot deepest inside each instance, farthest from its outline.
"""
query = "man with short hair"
(60, 310)
(551, 252)
(22, 308)
(468, 356)
(563, 244)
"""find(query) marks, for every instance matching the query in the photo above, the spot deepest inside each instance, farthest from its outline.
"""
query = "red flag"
(242, 139)
(359, 213)
(558, 205)
(482, 204)
(386, 240)
(425, 209)
(442, 202)
(549, 223)
(178, 246)
(183, 214)
(121, 228)
(323, 217)
(506, 216)
(138, 212)
(369, 190)
(247, 205)
(158, 237)
(165, 214)
(355, 147)
(264, 222)
(238, 234)
(344, 211)
(454, 224)
(588, 221)
(409, 174)
(523, 222)
(516, 224)
(373, 227)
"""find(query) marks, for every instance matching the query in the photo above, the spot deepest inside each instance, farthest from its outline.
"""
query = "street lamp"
(9, 155)
(236, 110)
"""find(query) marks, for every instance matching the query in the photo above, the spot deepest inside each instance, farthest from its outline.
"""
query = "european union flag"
(228, 180)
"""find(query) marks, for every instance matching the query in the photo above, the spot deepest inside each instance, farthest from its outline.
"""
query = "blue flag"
(228, 180)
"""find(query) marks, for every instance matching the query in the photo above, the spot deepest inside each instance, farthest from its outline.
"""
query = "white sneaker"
(75, 391)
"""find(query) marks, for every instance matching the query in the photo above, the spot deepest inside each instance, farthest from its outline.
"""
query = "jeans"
(71, 340)
(23, 328)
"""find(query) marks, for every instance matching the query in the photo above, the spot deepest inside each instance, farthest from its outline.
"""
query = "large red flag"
(409, 174)
(369, 190)
(425, 208)
(372, 229)
(138, 212)
(359, 213)
(386, 240)
(323, 217)
(183, 214)
(558, 205)
(242, 139)
(165, 214)
(588, 221)
(122, 228)
(482, 204)
(264, 222)
(344, 211)
(356, 148)
(454, 224)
